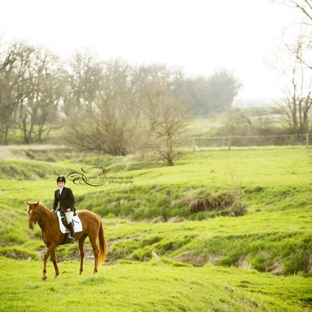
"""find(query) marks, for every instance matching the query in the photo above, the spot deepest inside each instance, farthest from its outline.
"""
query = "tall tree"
(38, 95)
(223, 87)
(295, 67)
(8, 95)
(45, 99)
(302, 6)
(198, 90)
(29, 91)
(168, 126)
(295, 84)
(168, 114)
(17, 85)
(82, 78)
(304, 9)
(213, 94)
(105, 123)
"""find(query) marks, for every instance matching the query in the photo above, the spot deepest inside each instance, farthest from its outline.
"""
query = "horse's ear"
(37, 203)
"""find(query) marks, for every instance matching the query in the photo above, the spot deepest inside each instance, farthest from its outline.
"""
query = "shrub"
(227, 261)
(238, 210)
(258, 262)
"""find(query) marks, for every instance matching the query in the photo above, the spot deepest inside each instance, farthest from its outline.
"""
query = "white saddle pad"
(77, 223)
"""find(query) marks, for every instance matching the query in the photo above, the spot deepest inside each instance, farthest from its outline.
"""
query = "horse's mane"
(44, 209)
(42, 205)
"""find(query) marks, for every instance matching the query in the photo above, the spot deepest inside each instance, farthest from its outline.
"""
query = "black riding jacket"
(65, 199)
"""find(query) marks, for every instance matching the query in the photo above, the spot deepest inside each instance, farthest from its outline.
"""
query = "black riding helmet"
(60, 179)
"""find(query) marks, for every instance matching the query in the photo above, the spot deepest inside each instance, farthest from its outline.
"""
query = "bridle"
(37, 216)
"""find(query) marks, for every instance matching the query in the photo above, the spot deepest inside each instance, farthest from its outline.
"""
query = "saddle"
(63, 223)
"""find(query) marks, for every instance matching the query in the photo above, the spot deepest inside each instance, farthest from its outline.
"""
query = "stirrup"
(71, 238)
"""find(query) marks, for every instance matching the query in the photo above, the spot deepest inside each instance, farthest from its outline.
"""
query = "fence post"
(307, 139)
(229, 142)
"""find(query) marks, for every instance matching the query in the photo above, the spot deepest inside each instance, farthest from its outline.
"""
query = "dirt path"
(18, 151)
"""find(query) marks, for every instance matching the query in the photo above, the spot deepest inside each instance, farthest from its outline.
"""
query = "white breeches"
(69, 216)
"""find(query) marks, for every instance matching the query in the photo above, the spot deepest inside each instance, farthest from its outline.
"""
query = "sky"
(197, 36)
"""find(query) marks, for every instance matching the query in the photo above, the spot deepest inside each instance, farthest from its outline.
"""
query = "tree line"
(106, 106)
(117, 108)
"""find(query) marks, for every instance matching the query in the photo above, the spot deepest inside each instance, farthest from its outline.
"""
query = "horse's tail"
(102, 243)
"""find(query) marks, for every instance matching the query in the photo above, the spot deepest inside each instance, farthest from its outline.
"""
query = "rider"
(65, 197)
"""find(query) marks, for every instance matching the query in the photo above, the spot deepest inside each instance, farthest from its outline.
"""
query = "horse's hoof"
(44, 278)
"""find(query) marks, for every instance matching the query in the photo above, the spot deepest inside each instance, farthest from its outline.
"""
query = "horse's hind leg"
(81, 249)
(95, 252)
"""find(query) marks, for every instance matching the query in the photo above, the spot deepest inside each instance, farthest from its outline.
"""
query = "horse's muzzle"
(31, 226)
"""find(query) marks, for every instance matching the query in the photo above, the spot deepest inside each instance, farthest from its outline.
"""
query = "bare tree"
(168, 115)
(302, 6)
(82, 78)
(8, 96)
(304, 9)
(133, 109)
(38, 92)
(168, 127)
(258, 121)
(106, 124)
(29, 91)
(163, 108)
(46, 96)
(295, 83)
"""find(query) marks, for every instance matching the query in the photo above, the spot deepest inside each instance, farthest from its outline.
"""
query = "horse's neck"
(45, 213)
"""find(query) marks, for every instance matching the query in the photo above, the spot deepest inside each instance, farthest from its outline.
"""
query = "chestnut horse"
(52, 236)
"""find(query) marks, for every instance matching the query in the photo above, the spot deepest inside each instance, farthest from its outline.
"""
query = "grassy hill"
(242, 216)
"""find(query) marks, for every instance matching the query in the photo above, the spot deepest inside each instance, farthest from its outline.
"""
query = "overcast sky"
(195, 35)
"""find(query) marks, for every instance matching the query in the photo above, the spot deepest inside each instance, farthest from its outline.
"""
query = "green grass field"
(150, 286)
(211, 260)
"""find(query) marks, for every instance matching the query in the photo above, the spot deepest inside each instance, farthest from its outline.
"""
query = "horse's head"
(33, 214)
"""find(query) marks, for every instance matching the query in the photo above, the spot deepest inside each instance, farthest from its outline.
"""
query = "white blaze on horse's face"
(32, 215)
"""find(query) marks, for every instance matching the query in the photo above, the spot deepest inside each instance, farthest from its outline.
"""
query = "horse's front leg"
(50, 251)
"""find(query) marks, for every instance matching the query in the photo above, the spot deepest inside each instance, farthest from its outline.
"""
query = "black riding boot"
(71, 236)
